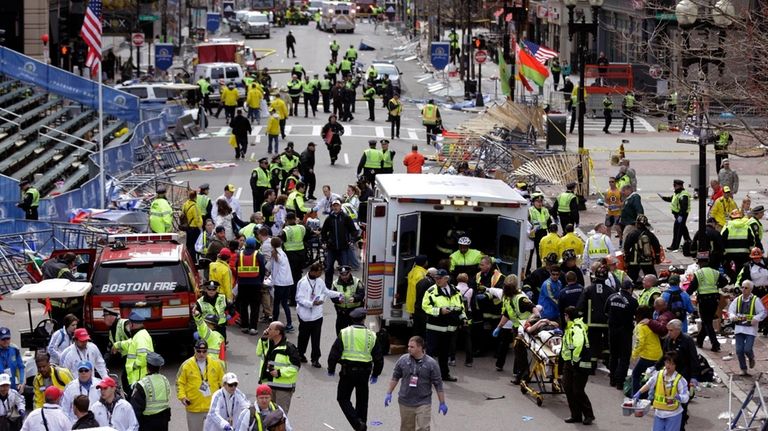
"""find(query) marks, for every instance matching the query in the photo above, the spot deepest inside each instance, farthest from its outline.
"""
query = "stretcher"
(543, 364)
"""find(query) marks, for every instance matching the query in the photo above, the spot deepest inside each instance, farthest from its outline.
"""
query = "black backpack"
(676, 305)
(706, 373)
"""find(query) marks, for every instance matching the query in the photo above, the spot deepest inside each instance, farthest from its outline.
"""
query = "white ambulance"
(413, 215)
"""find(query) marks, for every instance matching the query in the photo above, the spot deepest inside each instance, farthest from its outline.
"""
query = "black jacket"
(620, 309)
(687, 357)
(632, 252)
(713, 242)
(421, 288)
(337, 231)
(306, 161)
(87, 421)
(240, 126)
(593, 300)
(534, 281)
(290, 40)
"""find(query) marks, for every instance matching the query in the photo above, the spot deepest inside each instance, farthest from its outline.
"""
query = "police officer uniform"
(360, 357)
(261, 181)
(445, 311)
(371, 162)
(30, 200)
(566, 206)
(352, 289)
(680, 207)
(627, 107)
(707, 281)
(135, 350)
(151, 397)
(576, 367)
(540, 220)
(607, 113)
(620, 310)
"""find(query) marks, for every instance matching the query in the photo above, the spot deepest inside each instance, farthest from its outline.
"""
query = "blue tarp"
(116, 103)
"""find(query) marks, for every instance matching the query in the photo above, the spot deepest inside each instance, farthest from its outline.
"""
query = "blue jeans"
(668, 424)
(271, 139)
(281, 299)
(253, 114)
(744, 343)
(637, 372)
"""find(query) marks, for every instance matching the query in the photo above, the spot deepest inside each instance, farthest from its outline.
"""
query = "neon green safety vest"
(202, 203)
(722, 140)
(373, 158)
(249, 230)
(263, 178)
(256, 417)
(218, 309)
(294, 237)
(349, 292)
(647, 294)
(429, 116)
(358, 342)
(629, 101)
(395, 108)
(675, 207)
(136, 350)
(205, 86)
(574, 341)
(120, 334)
(607, 103)
(35, 196)
(325, 84)
(471, 257)
(214, 339)
(738, 232)
(386, 159)
(331, 69)
(673, 98)
(510, 307)
(307, 87)
(599, 249)
(157, 392)
(755, 222)
(660, 393)
(707, 278)
(351, 53)
(538, 217)
(564, 202)
(346, 65)
(334, 47)
(370, 93)
(160, 216)
(288, 373)
(749, 315)
(288, 163)
(268, 217)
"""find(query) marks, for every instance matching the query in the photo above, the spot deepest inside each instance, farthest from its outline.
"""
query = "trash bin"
(556, 130)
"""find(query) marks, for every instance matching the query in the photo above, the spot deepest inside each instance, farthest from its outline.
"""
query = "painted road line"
(346, 158)
(316, 130)
(237, 193)
(379, 132)
(412, 134)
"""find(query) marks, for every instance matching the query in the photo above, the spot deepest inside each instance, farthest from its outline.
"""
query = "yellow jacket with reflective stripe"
(289, 373)
(549, 244)
(358, 342)
(161, 216)
(221, 272)
(192, 212)
(294, 237)
(660, 394)
(189, 378)
(135, 351)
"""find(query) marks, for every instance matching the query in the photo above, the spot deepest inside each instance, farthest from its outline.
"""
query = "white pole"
(102, 180)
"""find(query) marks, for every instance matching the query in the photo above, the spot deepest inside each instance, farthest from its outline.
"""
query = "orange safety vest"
(248, 266)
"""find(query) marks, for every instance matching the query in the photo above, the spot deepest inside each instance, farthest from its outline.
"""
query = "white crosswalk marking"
(354, 130)
(412, 134)
(596, 124)
(379, 132)
(316, 130)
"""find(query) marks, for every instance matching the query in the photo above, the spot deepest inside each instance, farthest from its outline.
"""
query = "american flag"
(91, 33)
(540, 52)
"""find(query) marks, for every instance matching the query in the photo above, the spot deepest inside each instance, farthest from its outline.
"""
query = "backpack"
(645, 249)
(676, 305)
(706, 373)
(183, 220)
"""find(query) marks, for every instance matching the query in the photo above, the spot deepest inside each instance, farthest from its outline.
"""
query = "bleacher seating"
(18, 139)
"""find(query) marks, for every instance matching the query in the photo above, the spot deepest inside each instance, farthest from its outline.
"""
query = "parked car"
(255, 24)
(387, 67)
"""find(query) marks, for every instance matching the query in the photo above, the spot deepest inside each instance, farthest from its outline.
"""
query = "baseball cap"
(225, 253)
(5, 333)
(250, 242)
(84, 364)
(726, 189)
(53, 393)
(107, 382)
(230, 188)
(136, 317)
(81, 334)
(336, 202)
(201, 344)
(5, 379)
(263, 390)
(230, 378)
(442, 273)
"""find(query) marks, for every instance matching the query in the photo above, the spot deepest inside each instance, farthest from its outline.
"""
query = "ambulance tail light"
(419, 201)
(175, 301)
(145, 237)
(380, 211)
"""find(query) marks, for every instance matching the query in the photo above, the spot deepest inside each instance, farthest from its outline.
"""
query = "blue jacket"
(569, 295)
(548, 299)
(10, 359)
(687, 304)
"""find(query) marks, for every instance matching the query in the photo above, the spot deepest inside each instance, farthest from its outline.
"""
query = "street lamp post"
(689, 21)
(582, 30)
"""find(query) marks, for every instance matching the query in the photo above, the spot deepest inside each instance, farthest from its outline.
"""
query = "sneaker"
(253, 332)
(244, 330)
(450, 379)
(303, 359)
(751, 362)
(316, 364)
(290, 329)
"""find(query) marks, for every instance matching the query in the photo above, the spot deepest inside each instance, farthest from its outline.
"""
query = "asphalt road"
(314, 406)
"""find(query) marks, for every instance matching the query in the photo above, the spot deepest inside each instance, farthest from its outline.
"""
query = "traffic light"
(64, 51)
(477, 42)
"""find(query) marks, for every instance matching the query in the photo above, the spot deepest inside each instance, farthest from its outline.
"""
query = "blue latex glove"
(374, 379)
(679, 219)
(387, 399)
(331, 373)
(227, 427)
(443, 408)
(694, 382)
(496, 332)
(636, 396)
(22, 413)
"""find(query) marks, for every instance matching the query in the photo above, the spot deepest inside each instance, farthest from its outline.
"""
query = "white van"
(412, 215)
(255, 24)
(228, 72)
(338, 14)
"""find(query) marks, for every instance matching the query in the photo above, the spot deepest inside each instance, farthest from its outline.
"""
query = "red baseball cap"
(263, 390)
(107, 382)
(53, 393)
(225, 253)
(81, 334)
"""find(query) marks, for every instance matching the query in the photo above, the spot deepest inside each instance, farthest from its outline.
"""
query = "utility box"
(556, 130)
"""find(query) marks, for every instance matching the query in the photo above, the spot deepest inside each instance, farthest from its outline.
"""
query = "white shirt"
(71, 357)
(225, 409)
(233, 203)
(60, 340)
(244, 420)
(758, 275)
(14, 399)
(75, 389)
(281, 270)
(54, 416)
(280, 212)
(759, 316)
(307, 291)
(466, 292)
(225, 221)
(324, 204)
(266, 251)
(122, 418)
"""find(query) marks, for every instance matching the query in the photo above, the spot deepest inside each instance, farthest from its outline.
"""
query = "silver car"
(386, 67)
(255, 24)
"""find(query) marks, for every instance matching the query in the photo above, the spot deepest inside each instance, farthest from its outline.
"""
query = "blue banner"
(440, 54)
(116, 103)
(213, 22)
(163, 55)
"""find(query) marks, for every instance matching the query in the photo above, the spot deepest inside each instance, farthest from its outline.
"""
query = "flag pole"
(102, 180)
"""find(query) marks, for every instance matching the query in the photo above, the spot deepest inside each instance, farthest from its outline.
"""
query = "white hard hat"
(465, 241)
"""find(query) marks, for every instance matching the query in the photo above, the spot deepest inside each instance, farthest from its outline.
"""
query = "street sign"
(137, 39)
(148, 17)
(481, 56)
(655, 71)
(440, 54)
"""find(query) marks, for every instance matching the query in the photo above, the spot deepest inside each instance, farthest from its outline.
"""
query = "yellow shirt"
(273, 126)
(613, 202)
(570, 241)
(229, 96)
(549, 244)
(219, 271)
(189, 380)
(254, 97)
(645, 344)
(721, 210)
(279, 107)
(416, 274)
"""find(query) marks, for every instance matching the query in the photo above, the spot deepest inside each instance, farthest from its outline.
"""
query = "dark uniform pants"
(621, 349)
(156, 422)
(574, 383)
(326, 101)
(607, 113)
(598, 343)
(707, 311)
(249, 301)
(342, 319)
(296, 261)
(395, 126)
(628, 116)
(520, 365)
(565, 219)
(258, 199)
(439, 346)
(633, 270)
(371, 114)
(310, 329)
(679, 231)
(354, 378)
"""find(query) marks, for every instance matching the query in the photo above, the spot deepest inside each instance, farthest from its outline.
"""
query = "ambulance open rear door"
(375, 256)
(510, 245)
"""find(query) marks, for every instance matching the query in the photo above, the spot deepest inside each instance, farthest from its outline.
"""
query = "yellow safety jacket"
(358, 342)
(161, 216)
(60, 376)
(574, 343)
(189, 380)
(395, 107)
(471, 257)
(192, 212)
(255, 95)
(660, 393)
(721, 209)
(220, 272)
(280, 107)
(135, 351)
(157, 393)
(429, 115)
(219, 308)
(707, 278)
(373, 158)
(675, 206)
(571, 241)
(349, 293)
(434, 300)
(510, 307)
(288, 373)
(229, 96)
(549, 244)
